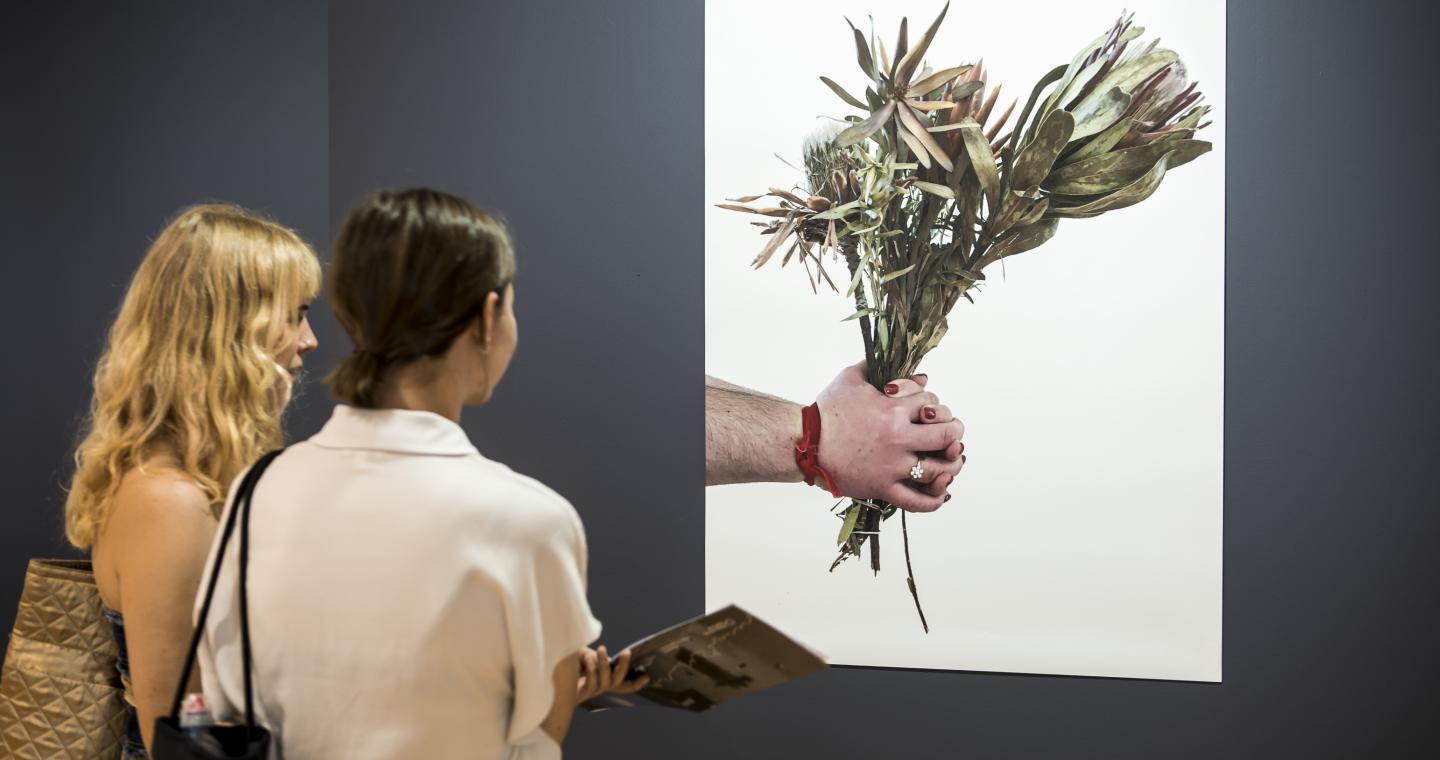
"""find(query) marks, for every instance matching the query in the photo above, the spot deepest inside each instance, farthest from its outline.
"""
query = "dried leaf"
(1100, 143)
(934, 81)
(913, 123)
(746, 198)
(1138, 190)
(773, 245)
(1078, 83)
(1126, 76)
(1111, 171)
(897, 273)
(982, 160)
(862, 53)
(934, 189)
(984, 113)
(845, 96)
(790, 252)
(921, 154)
(1050, 78)
(1033, 162)
(902, 41)
(906, 66)
(787, 195)
(864, 129)
(733, 207)
(1097, 114)
(1021, 239)
(929, 105)
(965, 90)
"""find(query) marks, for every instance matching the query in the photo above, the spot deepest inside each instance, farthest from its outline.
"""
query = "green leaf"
(934, 189)
(906, 66)
(845, 96)
(1033, 163)
(863, 130)
(897, 273)
(982, 160)
(852, 515)
(859, 271)
(882, 331)
(1113, 170)
(1097, 114)
(859, 314)
(836, 212)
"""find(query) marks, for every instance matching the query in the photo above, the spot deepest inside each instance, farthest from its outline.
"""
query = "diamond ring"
(918, 471)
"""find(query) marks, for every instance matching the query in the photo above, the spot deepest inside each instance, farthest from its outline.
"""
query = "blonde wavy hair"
(189, 365)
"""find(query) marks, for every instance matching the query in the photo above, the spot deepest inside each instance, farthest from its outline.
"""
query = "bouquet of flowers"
(921, 193)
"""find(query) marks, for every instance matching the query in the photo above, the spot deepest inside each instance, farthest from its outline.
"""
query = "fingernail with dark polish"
(891, 389)
(962, 447)
(929, 412)
(947, 497)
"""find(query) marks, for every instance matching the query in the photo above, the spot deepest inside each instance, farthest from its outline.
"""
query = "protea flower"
(922, 194)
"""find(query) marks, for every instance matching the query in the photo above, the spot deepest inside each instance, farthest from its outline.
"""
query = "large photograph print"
(1023, 202)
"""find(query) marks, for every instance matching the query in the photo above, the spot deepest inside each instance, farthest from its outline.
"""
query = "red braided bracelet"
(807, 450)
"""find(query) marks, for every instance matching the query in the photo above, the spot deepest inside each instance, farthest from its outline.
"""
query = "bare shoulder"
(159, 499)
(155, 538)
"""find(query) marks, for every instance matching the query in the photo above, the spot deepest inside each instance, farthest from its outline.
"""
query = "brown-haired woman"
(414, 598)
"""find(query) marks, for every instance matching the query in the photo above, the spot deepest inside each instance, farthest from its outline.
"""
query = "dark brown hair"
(410, 271)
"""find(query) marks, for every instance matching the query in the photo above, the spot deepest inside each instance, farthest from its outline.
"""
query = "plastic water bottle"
(196, 721)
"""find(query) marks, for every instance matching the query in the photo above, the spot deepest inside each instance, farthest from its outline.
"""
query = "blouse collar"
(404, 431)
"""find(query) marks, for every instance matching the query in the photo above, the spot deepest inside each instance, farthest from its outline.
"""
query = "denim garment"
(134, 748)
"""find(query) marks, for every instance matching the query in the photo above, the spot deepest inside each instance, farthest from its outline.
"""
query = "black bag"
(247, 742)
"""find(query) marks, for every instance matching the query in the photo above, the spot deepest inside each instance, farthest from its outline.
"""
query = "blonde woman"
(189, 391)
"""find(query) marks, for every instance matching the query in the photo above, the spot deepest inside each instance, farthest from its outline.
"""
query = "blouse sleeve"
(547, 617)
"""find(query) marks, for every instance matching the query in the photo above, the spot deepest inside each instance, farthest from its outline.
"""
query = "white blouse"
(409, 598)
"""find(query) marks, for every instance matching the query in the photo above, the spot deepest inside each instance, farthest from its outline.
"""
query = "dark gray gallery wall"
(581, 123)
(113, 117)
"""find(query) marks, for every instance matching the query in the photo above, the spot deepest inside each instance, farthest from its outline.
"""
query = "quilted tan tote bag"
(60, 693)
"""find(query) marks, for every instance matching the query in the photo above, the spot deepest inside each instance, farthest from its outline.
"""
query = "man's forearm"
(749, 436)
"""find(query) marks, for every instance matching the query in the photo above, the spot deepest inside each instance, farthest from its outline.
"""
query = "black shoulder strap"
(238, 505)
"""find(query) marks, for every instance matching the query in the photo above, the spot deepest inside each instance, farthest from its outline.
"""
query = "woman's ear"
(489, 314)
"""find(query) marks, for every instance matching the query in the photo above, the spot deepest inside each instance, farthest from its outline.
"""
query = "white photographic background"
(1084, 536)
